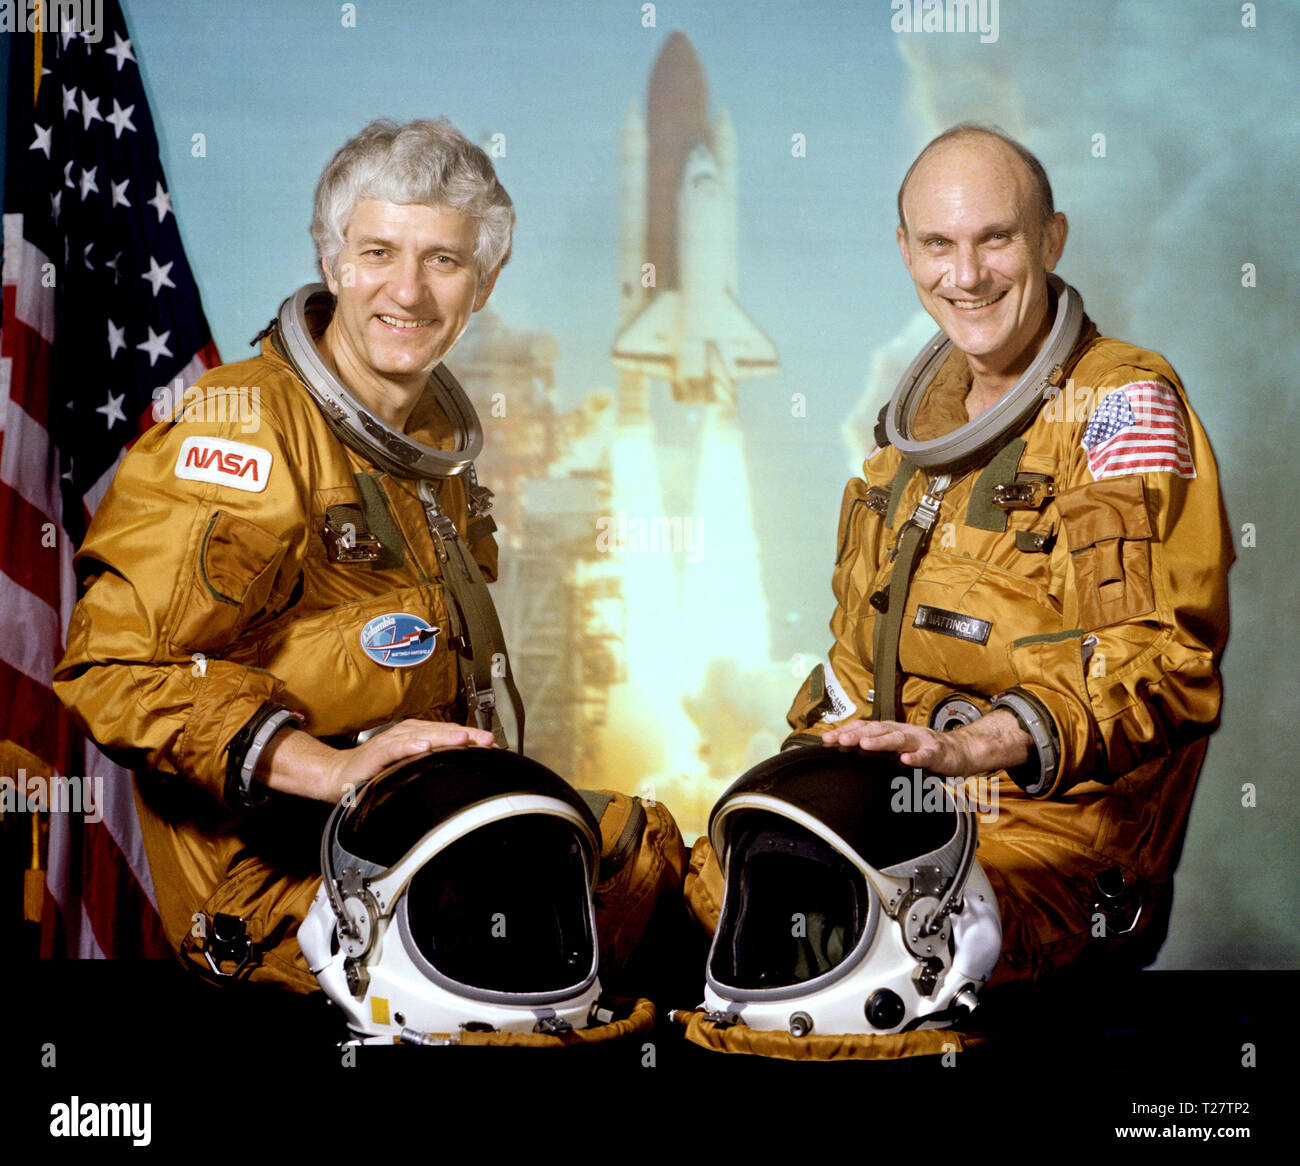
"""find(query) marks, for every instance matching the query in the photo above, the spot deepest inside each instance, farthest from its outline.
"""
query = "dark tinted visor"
(505, 909)
(794, 908)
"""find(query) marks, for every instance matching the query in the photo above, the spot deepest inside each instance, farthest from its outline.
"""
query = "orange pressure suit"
(209, 593)
(1104, 608)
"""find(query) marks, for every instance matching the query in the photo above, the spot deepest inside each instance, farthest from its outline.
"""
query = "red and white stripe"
(1155, 442)
(100, 898)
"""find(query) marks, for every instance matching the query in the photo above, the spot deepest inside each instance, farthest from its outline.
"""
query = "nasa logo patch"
(224, 463)
(399, 639)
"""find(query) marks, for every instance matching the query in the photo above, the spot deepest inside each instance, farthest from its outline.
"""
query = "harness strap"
(887, 705)
(480, 640)
(479, 634)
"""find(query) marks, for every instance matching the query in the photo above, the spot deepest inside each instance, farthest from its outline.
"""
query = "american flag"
(100, 313)
(1138, 429)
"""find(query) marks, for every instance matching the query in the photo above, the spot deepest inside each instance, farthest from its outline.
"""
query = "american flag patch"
(1138, 429)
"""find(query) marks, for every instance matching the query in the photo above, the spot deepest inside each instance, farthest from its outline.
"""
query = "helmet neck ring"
(972, 444)
(355, 424)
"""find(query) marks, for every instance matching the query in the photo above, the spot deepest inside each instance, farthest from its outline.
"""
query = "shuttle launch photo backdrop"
(705, 308)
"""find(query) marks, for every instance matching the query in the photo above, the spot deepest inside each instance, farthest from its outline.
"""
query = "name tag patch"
(224, 463)
(399, 639)
(952, 623)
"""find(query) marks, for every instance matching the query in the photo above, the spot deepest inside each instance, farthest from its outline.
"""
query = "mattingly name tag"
(952, 623)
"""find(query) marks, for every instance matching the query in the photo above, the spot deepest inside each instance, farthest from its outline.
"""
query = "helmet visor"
(794, 910)
(506, 908)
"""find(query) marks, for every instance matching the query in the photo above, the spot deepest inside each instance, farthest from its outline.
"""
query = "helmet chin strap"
(355, 424)
(971, 444)
(479, 642)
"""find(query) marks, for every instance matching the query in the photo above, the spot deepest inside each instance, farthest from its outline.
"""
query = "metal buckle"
(1023, 495)
(479, 499)
(482, 700)
(441, 527)
(877, 499)
(927, 510)
(443, 530)
(347, 546)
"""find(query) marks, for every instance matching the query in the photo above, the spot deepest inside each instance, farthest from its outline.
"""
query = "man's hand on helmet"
(297, 763)
(995, 741)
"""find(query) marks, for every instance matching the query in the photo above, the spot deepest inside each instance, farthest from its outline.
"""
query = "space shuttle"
(679, 319)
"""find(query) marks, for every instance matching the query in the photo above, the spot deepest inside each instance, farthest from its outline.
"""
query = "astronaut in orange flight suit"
(1060, 633)
(256, 597)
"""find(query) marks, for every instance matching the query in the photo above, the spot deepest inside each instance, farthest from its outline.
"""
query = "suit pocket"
(961, 617)
(230, 583)
(1109, 533)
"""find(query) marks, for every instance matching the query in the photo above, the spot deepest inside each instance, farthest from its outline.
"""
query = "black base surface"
(244, 1070)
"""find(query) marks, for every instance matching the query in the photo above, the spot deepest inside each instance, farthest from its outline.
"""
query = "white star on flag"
(120, 119)
(157, 276)
(121, 51)
(112, 409)
(161, 202)
(89, 110)
(42, 140)
(119, 192)
(69, 101)
(88, 182)
(116, 339)
(156, 346)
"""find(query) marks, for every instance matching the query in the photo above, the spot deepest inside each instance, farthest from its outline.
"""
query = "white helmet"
(456, 894)
(853, 901)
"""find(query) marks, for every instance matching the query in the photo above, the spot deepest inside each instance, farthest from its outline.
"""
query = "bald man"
(1030, 576)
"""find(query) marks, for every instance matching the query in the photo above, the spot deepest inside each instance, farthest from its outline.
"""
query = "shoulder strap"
(892, 600)
(480, 640)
